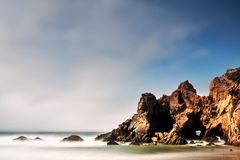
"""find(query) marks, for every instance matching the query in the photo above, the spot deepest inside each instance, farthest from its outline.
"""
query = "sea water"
(51, 148)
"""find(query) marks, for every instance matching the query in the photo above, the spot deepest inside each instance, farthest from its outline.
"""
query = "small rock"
(192, 142)
(21, 138)
(135, 143)
(39, 139)
(211, 139)
(112, 143)
(211, 144)
(72, 138)
(154, 140)
(230, 149)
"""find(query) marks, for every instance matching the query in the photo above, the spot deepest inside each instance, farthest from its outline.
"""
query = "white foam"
(220, 142)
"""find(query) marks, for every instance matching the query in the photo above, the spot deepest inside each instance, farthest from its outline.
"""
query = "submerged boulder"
(135, 142)
(72, 138)
(38, 138)
(112, 143)
(21, 138)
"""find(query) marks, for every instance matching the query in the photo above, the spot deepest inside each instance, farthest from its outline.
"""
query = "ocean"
(51, 148)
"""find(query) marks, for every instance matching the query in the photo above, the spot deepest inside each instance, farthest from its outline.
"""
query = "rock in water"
(21, 138)
(211, 144)
(182, 113)
(136, 143)
(72, 138)
(154, 140)
(38, 138)
(112, 143)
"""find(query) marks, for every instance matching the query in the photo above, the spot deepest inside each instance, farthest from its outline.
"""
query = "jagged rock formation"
(173, 119)
(225, 117)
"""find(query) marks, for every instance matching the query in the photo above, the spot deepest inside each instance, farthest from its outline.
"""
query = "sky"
(81, 65)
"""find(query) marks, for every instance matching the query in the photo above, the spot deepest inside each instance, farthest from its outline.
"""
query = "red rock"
(183, 112)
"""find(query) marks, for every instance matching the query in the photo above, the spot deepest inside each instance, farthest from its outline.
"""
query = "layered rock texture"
(172, 119)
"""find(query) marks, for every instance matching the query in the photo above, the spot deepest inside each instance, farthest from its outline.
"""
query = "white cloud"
(77, 65)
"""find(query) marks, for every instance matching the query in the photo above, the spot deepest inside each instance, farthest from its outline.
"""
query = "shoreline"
(52, 147)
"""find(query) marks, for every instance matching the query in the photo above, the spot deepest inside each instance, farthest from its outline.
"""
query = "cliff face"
(173, 119)
(225, 109)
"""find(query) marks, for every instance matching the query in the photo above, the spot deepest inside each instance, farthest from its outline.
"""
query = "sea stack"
(172, 119)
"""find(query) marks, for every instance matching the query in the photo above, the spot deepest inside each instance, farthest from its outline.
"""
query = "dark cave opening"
(216, 131)
(191, 126)
(180, 99)
(166, 123)
(161, 121)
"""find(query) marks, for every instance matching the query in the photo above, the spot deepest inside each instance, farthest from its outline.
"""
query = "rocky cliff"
(172, 119)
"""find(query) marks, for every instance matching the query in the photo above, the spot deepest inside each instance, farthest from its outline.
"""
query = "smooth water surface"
(53, 149)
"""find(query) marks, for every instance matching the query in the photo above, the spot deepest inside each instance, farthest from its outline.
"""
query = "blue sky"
(73, 62)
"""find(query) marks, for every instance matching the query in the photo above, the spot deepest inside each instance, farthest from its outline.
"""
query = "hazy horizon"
(83, 65)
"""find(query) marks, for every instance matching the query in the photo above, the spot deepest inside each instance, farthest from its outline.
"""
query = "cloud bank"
(82, 65)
